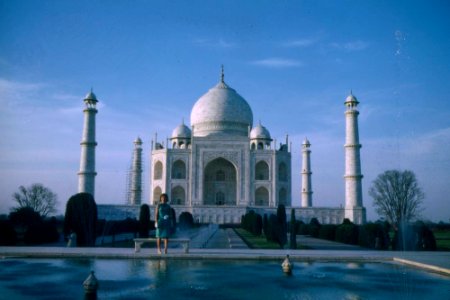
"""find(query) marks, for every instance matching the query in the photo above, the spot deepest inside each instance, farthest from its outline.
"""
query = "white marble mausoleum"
(223, 166)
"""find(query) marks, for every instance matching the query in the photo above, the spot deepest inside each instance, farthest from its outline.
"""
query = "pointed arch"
(156, 194)
(261, 171)
(158, 170)
(261, 196)
(179, 170)
(220, 183)
(282, 172)
(178, 196)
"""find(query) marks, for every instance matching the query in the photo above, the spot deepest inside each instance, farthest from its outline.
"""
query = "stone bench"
(139, 241)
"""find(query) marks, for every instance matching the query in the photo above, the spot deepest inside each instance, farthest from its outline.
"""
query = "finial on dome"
(182, 120)
(222, 76)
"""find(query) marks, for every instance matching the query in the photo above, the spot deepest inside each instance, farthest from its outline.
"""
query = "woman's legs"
(158, 245)
(166, 241)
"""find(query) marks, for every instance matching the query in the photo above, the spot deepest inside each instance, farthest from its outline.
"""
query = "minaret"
(136, 174)
(354, 210)
(306, 175)
(86, 176)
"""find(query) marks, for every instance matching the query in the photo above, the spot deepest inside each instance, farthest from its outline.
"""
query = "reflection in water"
(355, 265)
(201, 279)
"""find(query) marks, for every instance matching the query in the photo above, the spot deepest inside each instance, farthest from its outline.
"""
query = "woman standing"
(164, 222)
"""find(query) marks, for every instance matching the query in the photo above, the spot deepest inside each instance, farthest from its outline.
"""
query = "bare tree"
(397, 196)
(38, 197)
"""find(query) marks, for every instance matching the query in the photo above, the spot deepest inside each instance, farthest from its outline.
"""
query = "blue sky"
(293, 61)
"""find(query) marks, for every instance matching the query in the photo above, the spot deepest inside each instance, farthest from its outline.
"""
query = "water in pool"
(205, 279)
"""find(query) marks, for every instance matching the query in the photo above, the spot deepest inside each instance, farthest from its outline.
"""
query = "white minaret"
(306, 174)
(354, 209)
(86, 176)
(136, 174)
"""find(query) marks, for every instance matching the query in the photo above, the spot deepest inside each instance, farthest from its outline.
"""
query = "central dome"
(221, 111)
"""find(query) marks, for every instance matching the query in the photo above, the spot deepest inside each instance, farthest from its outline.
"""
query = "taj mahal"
(223, 166)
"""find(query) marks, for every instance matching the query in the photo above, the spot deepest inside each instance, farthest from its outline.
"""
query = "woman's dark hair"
(165, 196)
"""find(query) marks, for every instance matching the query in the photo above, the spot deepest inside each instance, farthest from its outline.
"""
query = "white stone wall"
(268, 156)
(232, 214)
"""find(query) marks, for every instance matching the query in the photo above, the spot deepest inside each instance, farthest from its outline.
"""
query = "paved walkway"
(434, 261)
(226, 239)
(319, 244)
(216, 243)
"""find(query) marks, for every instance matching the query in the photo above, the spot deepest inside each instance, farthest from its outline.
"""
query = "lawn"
(256, 242)
(442, 239)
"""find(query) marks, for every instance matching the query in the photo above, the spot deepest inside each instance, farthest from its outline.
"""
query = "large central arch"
(220, 183)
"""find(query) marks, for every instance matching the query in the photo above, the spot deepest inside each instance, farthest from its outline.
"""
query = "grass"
(260, 242)
(442, 239)
(256, 242)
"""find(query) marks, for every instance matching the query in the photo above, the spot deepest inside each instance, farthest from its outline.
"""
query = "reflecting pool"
(216, 279)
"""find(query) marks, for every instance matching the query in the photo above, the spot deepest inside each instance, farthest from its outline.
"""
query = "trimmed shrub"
(257, 230)
(41, 233)
(293, 230)
(185, 220)
(252, 222)
(426, 240)
(417, 237)
(8, 236)
(266, 225)
(81, 218)
(347, 233)
(25, 217)
(282, 225)
(173, 219)
(272, 228)
(374, 236)
(144, 221)
(303, 228)
(314, 227)
(327, 232)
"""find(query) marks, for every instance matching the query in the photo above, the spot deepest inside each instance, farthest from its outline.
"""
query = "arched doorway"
(261, 197)
(178, 196)
(179, 170)
(282, 172)
(219, 185)
(156, 194)
(157, 174)
(262, 171)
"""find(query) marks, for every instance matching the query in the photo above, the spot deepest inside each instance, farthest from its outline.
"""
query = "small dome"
(260, 132)
(138, 141)
(351, 99)
(181, 131)
(306, 143)
(221, 111)
(91, 96)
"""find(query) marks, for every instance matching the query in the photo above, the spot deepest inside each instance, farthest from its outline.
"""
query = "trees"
(397, 196)
(186, 220)
(32, 228)
(293, 229)
(81, 218)
(38, 197)
(282, 225)
(144, 221)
